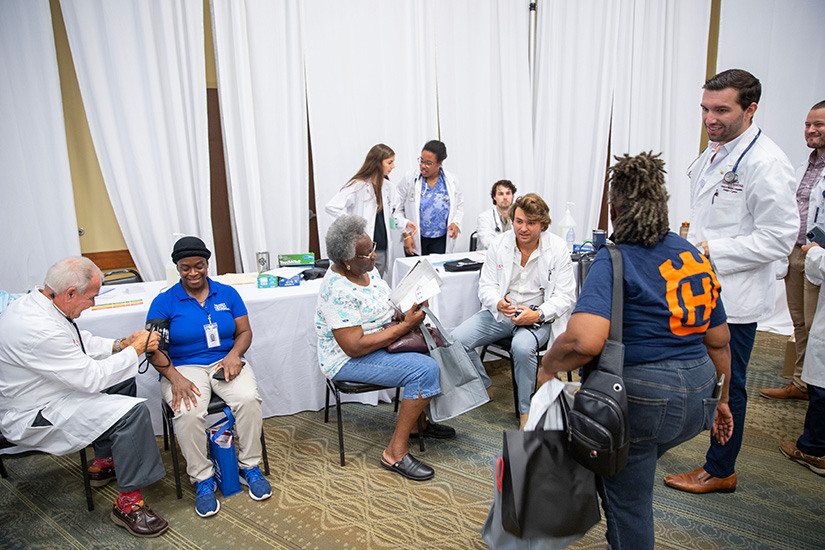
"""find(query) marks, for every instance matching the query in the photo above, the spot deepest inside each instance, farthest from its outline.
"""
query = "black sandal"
(409, 467)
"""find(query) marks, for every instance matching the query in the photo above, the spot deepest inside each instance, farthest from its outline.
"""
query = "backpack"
(598, 423)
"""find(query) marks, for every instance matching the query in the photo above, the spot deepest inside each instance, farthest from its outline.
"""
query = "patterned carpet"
(316, 504)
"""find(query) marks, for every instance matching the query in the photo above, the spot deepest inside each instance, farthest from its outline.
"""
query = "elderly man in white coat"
(430, 205)
(527, 289)
(51, 378)
(809, 449)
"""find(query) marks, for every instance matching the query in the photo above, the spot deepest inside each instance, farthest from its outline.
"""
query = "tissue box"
(279, 277)
(287, 260)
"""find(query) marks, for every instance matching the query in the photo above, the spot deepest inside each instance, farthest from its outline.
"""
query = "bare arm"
(357, 344)
(582, 341)
(716, 341)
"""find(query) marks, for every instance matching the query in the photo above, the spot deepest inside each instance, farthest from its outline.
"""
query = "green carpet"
(318, 504)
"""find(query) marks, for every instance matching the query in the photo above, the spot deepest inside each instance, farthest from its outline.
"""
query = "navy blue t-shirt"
(187, 337)
(671, 297)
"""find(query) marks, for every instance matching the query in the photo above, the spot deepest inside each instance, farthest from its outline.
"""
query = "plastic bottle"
(567, 228)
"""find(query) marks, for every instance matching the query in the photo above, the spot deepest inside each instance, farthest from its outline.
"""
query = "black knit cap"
(189, 246)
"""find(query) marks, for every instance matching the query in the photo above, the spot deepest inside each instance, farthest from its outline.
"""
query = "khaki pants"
(241, 394)
(802, 297)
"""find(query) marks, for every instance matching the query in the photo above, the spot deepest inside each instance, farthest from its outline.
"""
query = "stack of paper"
(419, 284)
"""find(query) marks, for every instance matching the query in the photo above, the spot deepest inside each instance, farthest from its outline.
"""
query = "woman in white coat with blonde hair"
(370, 194)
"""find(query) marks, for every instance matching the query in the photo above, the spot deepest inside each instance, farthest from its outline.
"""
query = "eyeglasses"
(427, 163)
(368, 256)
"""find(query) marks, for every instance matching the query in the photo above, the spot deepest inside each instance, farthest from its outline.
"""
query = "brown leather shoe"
(141, 521)
(816, 464)
(98, 477)
(788, 392)
(699, 481)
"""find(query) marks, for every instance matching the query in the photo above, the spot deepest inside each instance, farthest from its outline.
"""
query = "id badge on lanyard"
(213, 339)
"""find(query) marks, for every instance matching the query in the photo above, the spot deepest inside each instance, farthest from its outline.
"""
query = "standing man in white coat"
(51, 378)
(744, 218)
(496, 220)
(801, 293)
(430, 204)
(527, 290)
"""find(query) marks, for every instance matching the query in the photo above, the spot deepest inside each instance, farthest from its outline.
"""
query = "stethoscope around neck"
(731, 176)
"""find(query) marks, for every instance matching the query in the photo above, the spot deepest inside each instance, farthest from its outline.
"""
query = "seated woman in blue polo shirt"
(208, 334)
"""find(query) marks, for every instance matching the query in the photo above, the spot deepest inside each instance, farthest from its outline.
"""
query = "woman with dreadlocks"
(675, 337)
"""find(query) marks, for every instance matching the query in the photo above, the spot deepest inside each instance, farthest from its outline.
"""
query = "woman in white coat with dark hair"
(368, 195)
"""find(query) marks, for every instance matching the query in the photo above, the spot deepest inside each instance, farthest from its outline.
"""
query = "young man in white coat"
(430, 205)
(527, 289)
(496, 220)
(800, 292)
(51, 378)
(744, 218)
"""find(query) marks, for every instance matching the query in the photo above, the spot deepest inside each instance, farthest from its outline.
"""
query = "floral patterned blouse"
(341, 304)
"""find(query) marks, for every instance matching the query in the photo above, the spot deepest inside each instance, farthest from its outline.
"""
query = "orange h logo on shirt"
(690, 313)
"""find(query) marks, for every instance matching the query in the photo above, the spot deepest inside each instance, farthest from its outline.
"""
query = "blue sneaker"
(205, 502)
(259, 487)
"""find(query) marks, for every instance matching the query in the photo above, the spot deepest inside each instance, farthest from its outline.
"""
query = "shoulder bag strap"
(617, 310)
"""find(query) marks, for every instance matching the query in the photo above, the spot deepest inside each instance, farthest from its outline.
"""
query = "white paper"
(419, 284)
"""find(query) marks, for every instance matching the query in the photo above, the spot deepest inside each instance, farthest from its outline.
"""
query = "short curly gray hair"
(341, 237)
(71, 272)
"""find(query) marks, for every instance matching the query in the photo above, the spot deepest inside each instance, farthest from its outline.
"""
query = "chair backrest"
(473, 241)
(121, 277)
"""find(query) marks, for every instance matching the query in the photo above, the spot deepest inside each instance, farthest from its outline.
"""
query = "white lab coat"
(559, 282)
(749, 225)
(489, 226)
(813, 371)
(359, 199)
(409, 205)
(43, 369)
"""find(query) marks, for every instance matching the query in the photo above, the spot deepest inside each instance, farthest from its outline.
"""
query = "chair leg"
(263, 453)
(515, 385)
(84, 466)
(168, 424)
(165, 435)
(397, 398)
(3, 473)
(340, 426)
(326, 406)
(420, 434)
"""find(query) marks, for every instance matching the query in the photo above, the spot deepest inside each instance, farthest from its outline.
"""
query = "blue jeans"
(669, 402)
(416, 372)
(482, 329)
(720, 460)
(812, 440)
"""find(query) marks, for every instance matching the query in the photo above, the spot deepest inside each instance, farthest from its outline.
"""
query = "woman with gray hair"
(353, 309)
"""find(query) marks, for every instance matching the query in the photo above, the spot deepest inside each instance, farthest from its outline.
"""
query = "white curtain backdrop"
(141, 70)
(259, 55)
(576, 45)
(660, 69)
(783, 45)
(370, 69)
(484, 108)
(37, 205)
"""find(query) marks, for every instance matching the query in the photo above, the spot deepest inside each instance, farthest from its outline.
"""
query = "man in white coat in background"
(496, 220)
(744, 218)
(800, 292)
(527, 290)
(51, 378)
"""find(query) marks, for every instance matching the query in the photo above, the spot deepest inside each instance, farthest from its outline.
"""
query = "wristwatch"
(541, 316)
(118, 349)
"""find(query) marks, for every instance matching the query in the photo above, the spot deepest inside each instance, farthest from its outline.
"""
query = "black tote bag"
(545, 492)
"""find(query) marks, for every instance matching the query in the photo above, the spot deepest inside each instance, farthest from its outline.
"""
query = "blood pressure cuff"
(464, 264)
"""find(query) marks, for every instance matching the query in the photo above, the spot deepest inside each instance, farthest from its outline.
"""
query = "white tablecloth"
(283, 351)
(458, 299)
